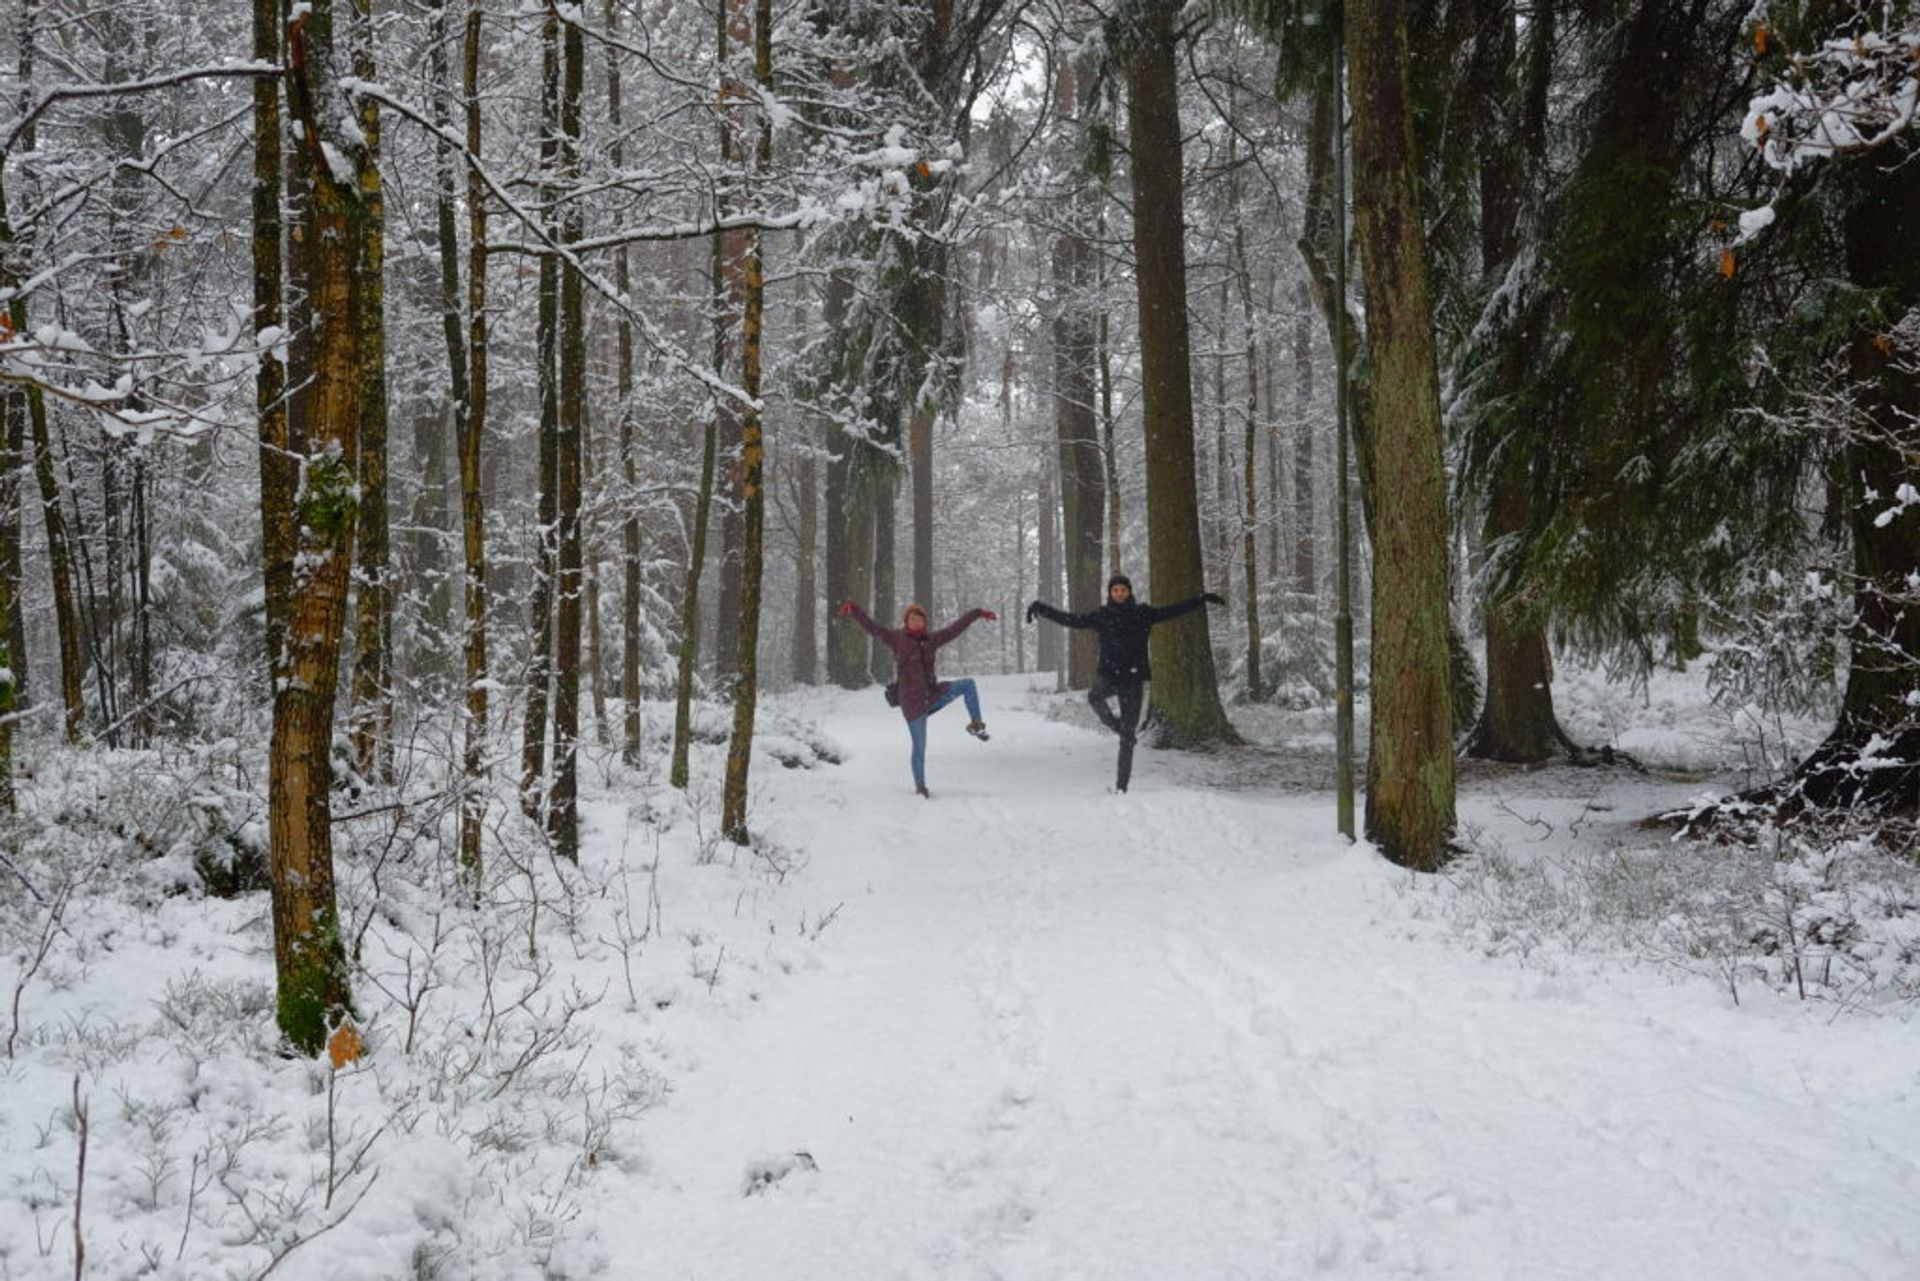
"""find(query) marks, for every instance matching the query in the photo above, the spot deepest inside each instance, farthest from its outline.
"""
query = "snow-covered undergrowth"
(150, 1117)
(1025, 1029)
(1559, 867)
(1835, 922)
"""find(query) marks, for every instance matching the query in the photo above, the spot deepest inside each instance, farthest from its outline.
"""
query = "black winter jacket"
(1123, 632)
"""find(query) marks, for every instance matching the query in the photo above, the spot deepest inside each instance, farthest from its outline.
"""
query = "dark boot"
(921, 789)
(1124, 773)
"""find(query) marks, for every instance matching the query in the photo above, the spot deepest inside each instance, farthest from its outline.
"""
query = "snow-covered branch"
(1848, 96)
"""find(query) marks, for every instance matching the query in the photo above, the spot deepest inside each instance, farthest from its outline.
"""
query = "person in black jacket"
(1122, 625)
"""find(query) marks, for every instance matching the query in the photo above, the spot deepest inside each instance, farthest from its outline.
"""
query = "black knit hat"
(1117, 579)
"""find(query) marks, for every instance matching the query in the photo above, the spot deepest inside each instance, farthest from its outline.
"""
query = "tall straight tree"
(804, 656)
(630, 576)
(1186, 687)
(39, 436)
(1410, 776)
(733, 814)
(323, 438)
(279, 472)
(563, 808)
(849, 539)
(540, 664)
(1082, 467)
(1306, 533)
(370, 724)
(1517, 720)
(470, 416)
(678, 771)
(729, 308)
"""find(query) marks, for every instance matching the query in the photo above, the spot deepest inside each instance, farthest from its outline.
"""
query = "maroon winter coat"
(913, 658)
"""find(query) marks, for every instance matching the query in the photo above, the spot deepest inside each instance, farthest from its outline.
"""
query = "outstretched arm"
(851, 610)
(1162, 613)
(957, 626)
(1043, 610)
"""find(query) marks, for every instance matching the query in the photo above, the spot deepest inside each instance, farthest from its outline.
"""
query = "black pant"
(1126, 724)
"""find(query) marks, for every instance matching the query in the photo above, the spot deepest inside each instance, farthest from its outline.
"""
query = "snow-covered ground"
(1027, 1029)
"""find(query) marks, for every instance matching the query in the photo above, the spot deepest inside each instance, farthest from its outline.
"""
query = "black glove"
(1214, 598)
(1032, 609)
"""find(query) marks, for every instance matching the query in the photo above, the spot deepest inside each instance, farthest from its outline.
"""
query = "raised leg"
(1097, 695)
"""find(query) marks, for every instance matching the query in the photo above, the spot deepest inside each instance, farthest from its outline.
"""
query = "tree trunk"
(886, 488)
(13, 409)
(1306, 530)
(370, 725)
(920, 459)
(279, 473)
(1883, 462)
(533, 750)
(563, 809)
(470, 426)
(733, 817)
(447, 238)
(1250, 472)
(1047, 652)
(1517, 721)
(728, 319)
(1103, 360)
(631, 584)
(1082, 466)
(9, 686)
(690, 606)
(1410, 792)
(13, 440)
(66, 612)
(697, 557)
(805, 654)
(1186, 690)
(309, 957)
(849, 571)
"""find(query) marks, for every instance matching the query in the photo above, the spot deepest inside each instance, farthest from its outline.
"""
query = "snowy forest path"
(1187, 1032)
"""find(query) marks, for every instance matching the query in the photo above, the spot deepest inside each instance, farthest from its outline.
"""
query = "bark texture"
(1186, 689)
(1410, 774)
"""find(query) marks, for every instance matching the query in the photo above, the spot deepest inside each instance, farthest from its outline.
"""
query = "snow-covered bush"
(1822, 919)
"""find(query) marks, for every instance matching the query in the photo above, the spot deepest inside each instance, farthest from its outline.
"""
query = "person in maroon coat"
(922, 693)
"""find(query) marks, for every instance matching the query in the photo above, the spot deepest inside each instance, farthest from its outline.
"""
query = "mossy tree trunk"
(1410, 791)
(323, 438)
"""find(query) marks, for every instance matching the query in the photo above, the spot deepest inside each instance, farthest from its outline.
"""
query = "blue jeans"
(917, 727)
